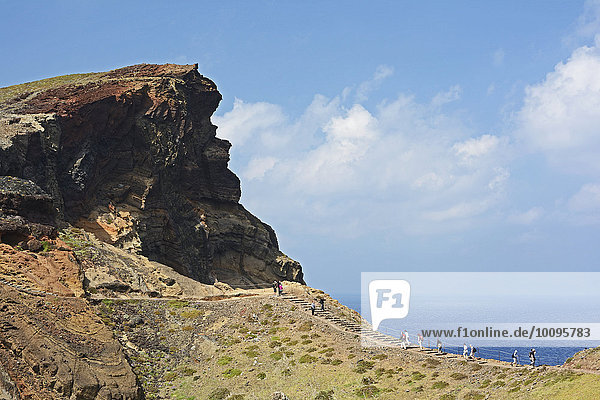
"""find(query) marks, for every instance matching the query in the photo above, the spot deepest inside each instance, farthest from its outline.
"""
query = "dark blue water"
(544, 354)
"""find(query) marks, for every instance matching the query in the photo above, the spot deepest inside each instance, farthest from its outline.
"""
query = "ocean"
(549, 353)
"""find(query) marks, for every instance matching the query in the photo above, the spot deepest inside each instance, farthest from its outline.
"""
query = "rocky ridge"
(131, 156)
(113, 185)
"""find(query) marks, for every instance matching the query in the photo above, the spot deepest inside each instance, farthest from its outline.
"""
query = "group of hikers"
(404, 338)
(469, 355)
(277, 288)
(313, 306)
(515, 358)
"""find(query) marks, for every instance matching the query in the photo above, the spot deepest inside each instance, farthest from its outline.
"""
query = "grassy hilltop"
(250, 347)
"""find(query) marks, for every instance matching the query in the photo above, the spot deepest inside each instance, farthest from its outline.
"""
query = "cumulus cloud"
(342, 168)
(246, 120)
(561, 115)
(257, 167)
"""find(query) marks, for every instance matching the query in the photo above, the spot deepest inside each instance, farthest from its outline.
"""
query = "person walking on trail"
(464, 350)
(275, 287)
(515, 358)
(473, 351)
(403, 341)
(420, 340)
(406, 337)
(322, 301)
(313, 306)
(439, 345)
(280, 287)
(532, 358)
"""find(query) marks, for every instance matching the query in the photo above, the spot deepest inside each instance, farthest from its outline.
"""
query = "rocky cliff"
(131, 156)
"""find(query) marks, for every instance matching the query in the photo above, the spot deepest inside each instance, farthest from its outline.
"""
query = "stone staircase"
(372, 338)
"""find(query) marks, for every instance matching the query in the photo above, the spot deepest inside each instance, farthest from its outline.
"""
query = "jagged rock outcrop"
(132, 156)
(26, 213)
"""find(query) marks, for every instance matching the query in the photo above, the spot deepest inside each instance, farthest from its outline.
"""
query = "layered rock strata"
(131, 155)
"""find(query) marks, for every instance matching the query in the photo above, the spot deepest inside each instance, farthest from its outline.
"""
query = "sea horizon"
(546, 354)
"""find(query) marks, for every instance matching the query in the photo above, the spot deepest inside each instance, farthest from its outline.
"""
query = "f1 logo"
(389, 299)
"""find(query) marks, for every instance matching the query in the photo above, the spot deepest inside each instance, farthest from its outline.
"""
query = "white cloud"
(527, 217)
(584, 206)
(457, 211)
(588, 24)
(448, 96)
(476, 147)
(343, 169)
(587, 199)
(249, 119)
(561, 116)
(381, 73)
(257, 167)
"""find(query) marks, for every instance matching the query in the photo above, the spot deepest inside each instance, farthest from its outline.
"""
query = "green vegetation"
(458, 376)
(307, 358)
(219, 394)
(178, 303)
(224, 360)
(46, 246)
(416, 375)
(473, 395)
(76, 240)
(440, 385)
(231, 372)
(195, 313)
(363, 366)
(367, 391)
(23, 89)
(263, 357)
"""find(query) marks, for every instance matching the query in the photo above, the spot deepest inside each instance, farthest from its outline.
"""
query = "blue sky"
(391, 136)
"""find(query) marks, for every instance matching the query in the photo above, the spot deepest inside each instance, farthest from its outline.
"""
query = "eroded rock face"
(56, 347)
(132, 156)
(26, 213)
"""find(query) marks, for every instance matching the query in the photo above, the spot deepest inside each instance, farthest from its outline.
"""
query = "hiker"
(312, 307)
(322, 301)
(515, 359)
(275, 287)
(532, 358)
(439, 345)
(406, 337)
(464, 350)
(280, 287)
(473, 351)
(403, 341)
(420, 340)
